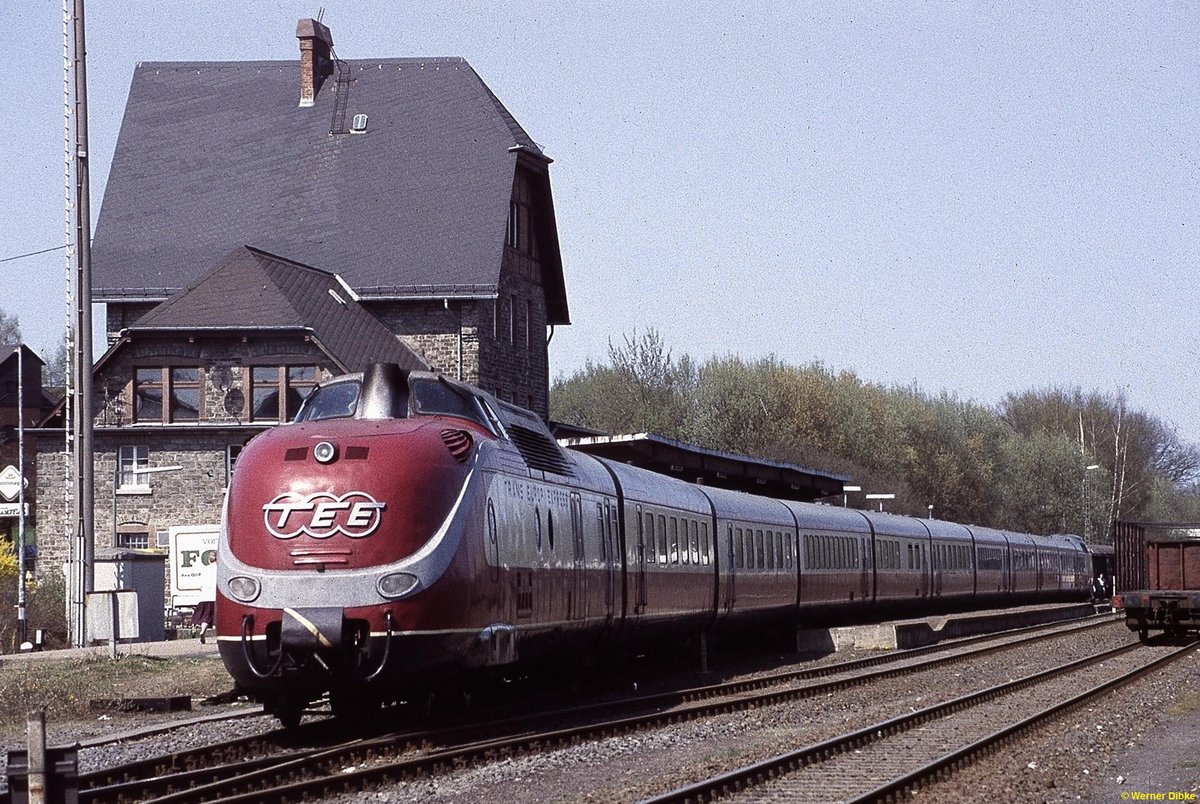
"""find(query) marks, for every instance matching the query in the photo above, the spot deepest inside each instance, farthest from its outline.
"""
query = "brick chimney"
(315, 43)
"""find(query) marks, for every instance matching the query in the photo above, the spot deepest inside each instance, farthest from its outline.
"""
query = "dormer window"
(519, 234)
(164, 395)
(277, 391)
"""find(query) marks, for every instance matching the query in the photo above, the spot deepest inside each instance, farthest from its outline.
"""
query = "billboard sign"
(193, 551)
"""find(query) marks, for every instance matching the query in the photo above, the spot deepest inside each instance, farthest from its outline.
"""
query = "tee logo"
(320, 515)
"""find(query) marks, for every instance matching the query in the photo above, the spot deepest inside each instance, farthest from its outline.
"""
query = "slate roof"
(213, 155)
(274, 294)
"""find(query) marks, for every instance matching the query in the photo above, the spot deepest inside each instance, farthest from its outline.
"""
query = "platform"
(918, 632)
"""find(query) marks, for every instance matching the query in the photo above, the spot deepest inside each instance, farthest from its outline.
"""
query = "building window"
(231, 455)
(147, 395)
(182, 387)
(512, 320)
(133, 535)
(277, 391)
(518, 234)
(185, 394)
(529, 325)
(130, 461)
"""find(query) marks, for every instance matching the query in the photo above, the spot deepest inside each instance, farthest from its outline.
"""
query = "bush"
(45, 606)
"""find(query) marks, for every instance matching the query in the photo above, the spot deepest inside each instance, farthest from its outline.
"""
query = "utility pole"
(22, 611)
(83, 513)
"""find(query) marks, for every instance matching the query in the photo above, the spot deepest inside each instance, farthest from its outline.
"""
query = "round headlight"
(243, 588)
(398, 584)
(324, 452)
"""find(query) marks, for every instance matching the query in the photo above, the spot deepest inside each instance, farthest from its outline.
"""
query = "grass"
(65, 688)
(1185, 704)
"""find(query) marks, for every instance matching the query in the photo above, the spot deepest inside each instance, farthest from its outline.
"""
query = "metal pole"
(84, 514)
(35, 742)
(22, 613)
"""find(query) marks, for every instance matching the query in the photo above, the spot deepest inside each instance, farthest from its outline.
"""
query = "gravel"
(1136, 740)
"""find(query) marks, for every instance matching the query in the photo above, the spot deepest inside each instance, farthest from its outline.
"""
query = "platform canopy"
(705, 466)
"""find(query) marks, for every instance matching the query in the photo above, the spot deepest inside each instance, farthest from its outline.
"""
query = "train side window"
(648, 539)
(600, 531)
(759, 551)
(673, 555)
(695, 531)
(781, 559)
(663, 556)
(705, 551)
(491, 521)
(741, 556)
(769, 544)
(787, 550)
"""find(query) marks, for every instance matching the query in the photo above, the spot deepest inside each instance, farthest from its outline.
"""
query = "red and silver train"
(407, 527)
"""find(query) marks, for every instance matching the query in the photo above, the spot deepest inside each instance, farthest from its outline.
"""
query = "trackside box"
(193, 564)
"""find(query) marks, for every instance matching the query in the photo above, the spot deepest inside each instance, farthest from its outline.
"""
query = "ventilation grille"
(357, 453)
(459, 443)
(538, 450)
(296, 454)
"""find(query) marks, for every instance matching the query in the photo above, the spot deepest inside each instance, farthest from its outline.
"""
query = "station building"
(268, 224)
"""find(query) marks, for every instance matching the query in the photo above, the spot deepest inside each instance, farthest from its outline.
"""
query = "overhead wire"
(33, 253)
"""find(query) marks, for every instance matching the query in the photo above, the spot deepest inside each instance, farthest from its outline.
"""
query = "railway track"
(273, 766)
(889, 760)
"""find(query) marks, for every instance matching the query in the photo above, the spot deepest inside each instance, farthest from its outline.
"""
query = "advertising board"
(193, 551)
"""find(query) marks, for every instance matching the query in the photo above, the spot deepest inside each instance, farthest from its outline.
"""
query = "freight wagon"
(1166, 596)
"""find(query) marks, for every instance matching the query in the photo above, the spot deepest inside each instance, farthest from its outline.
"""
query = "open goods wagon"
(1168, 596)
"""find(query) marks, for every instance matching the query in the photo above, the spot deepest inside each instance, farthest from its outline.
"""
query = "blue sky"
(981, 198)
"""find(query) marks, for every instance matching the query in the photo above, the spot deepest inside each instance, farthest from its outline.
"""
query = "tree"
(642, 390)
(10, 329)
(58, 368)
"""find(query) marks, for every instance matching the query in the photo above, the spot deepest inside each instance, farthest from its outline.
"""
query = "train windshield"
(439, 398)
(330, 401)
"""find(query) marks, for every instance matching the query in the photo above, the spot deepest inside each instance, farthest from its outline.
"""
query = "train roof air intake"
(459, 443)
(539, 451)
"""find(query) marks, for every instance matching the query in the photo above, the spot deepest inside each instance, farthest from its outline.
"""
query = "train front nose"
(323, 546)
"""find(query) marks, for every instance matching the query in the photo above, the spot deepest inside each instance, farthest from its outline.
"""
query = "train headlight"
(243, 588)
(325, 452)
(397, 584)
